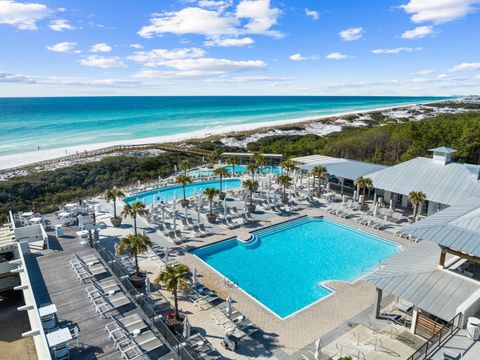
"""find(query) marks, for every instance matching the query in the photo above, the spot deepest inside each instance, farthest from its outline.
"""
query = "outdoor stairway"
(282, 226)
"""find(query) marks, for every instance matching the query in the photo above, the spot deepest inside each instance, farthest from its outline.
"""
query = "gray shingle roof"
(412, 275)
(442, 183)
(457, 227)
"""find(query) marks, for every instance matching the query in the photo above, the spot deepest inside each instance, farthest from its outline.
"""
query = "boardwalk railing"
(112, 149)
(155, 317)
(437, 339)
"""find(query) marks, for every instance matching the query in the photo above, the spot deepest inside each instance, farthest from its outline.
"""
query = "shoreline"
(28, 158)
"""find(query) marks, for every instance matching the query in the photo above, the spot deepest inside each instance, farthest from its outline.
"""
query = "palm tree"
(252, 169)
(259, 159)
(361, 184)
(232, 161)
(288, 165)
(284, 181)
(416, 198)
(112, 195)
(210, 194)
(185, 165)
(184, 180)
(368, 185)
(174, 278)
(134, 210)
(215, 155)
(251, 186)
(221, 172)
(134, 244)
(320, 173)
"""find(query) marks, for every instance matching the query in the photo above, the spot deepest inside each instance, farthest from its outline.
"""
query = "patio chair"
(61, 352)
(120, 328)
(104, 305)
(204, 230)
(89, 273)
(97, 289)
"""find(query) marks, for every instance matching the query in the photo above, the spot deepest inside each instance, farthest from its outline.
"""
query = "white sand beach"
(23, 159)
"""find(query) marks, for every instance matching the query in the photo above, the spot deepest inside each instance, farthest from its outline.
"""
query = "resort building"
(343, 172)
(245, 158)
(443, 181)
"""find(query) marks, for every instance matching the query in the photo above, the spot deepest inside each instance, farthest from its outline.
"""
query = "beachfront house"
(437, 281)
(443, 181)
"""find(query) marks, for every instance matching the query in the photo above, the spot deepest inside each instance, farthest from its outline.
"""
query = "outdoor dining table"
(47, 310)
(59, 337)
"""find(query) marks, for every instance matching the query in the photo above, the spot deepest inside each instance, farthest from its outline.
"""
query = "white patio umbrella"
(355, 195)
(80, 221)
(391, 204)
(138, 183)
(163, 213)
(175, 168)
(229, 306)
(147, 285)
(328, 187)
(186, 328)
(375, 209)
(343, 200)
(317, 353)
(375, 198)
(165, 251)
(194, 276)
(198, 217)
(159, 179)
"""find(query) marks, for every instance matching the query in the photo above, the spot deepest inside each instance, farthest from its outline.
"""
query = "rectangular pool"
(284, 266)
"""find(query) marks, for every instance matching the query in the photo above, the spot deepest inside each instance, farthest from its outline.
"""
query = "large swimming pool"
(167, 194)
(284, 266)
(239, 169)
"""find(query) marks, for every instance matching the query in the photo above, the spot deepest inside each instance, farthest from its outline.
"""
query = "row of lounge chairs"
(236, 324)
(203, 297)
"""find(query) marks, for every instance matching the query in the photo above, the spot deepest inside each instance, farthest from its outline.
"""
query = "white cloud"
(300, 57)
(101, 47)
(228, 42)
(465, 67)
(62, 47)
(312, 13)
(157, 57)
(336, 56)
(218, 5)
(23, 16)
(60, 25)
(477, 78)
(60, 81)
(351, 34)
(418, 33)
(202, 67)
(245, 79)
(425, 72)
(444, 77)
(136, 46)
(439, 11)
(249, 17)
(103, 62)
(396, 50)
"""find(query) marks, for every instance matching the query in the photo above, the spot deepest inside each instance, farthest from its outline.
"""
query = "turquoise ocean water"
(27, 123)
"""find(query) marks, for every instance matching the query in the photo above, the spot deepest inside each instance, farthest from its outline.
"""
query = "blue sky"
(239, 47)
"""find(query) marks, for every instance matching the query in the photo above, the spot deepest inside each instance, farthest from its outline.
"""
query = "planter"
(222, 196)
(211, 218)
(251, 208)
(138, 281)
(184, 203)
(116, 221)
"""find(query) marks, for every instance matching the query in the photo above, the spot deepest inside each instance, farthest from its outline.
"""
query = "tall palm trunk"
(414, 210)
(135, 225)
(251, 198)
(184, 193)
(175, 297)
(114, 208)
(136, 265)
(211, 206)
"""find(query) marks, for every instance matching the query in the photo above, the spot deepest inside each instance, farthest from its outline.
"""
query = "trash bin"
(473, 328)
(58, 230)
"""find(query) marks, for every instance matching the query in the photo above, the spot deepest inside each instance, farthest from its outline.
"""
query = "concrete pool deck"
(282, 339)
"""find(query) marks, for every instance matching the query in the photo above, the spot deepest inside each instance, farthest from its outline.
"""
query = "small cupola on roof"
(442, 155)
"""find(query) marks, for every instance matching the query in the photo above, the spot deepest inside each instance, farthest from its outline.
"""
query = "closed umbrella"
(80, 221)
(343, 200)
(165, 251)
(229, 306)
(147, 285)
(391, 204)
(194, 276)
(328, 187)
(138, 183)
(198, 217)
(355, 195)
(317, 353)
(375, 198)
(186, 328)
(375, 209)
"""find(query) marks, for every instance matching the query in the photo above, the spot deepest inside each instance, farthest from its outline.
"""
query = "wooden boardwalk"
(55, 282)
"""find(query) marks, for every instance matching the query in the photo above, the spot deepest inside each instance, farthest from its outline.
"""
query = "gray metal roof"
(341, 168)
(443, 149)
(456, 227)
(442, 183)
(412, 275)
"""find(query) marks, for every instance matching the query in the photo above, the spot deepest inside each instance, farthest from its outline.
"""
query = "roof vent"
(442, 155)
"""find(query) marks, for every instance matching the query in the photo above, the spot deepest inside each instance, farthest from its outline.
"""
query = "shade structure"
(186, 328)
(228, 310)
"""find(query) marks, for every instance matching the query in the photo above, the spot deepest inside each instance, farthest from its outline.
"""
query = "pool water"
(167, 194)
(284, 266)
(239, 169)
